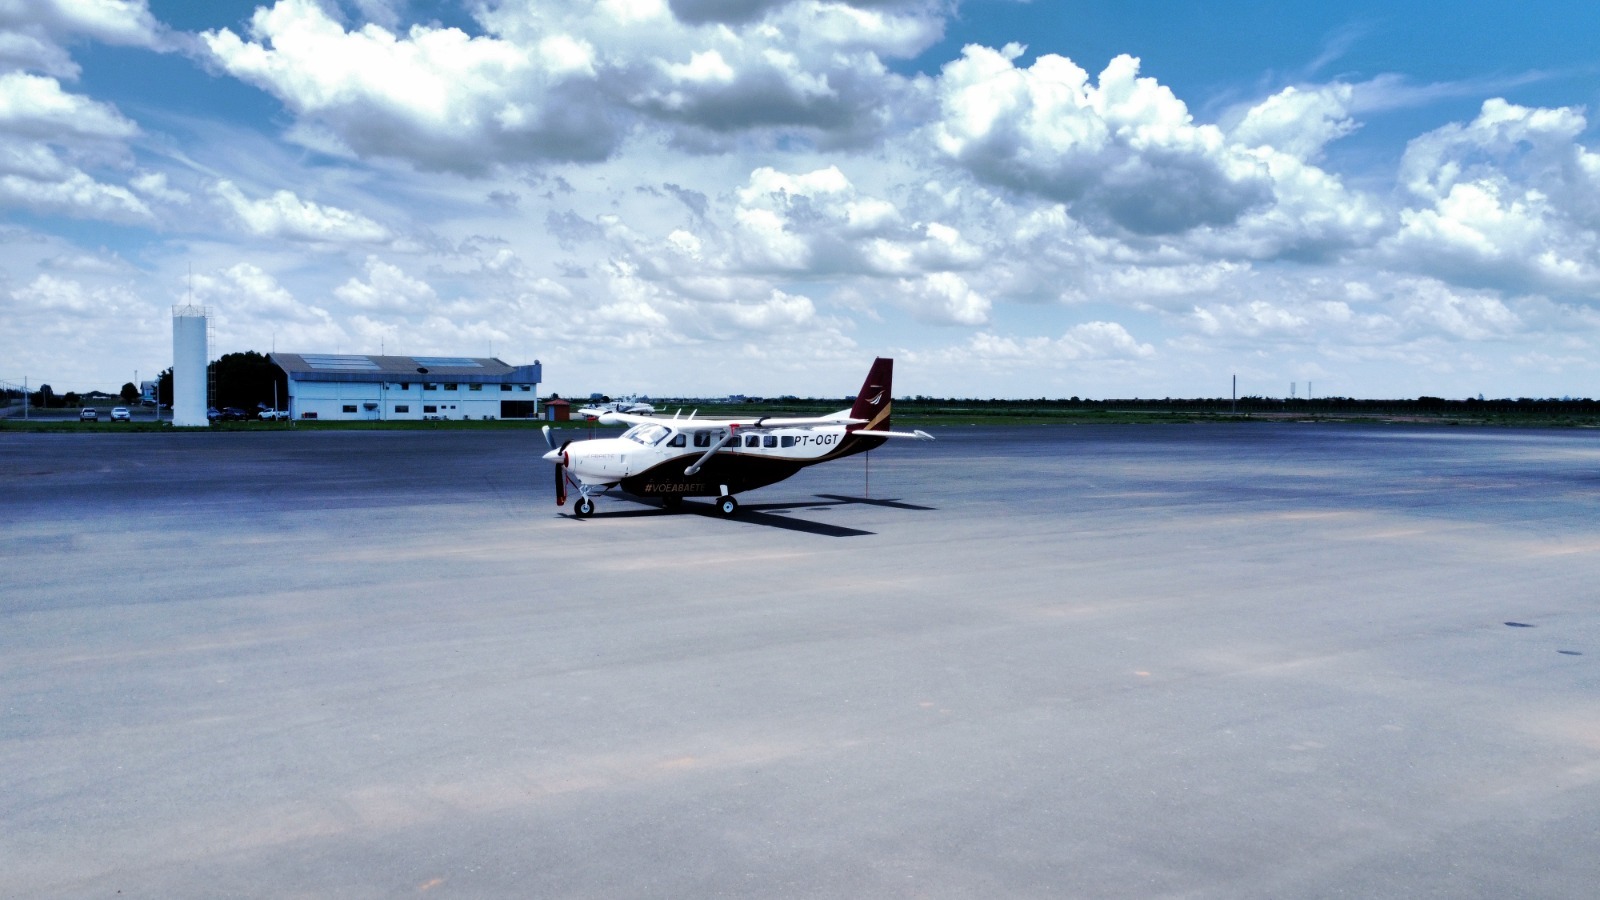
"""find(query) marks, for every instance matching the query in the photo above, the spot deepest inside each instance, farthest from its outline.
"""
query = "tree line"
(246, 380)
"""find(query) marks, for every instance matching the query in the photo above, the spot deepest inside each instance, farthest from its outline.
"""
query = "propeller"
(561, 485)
(559, 457)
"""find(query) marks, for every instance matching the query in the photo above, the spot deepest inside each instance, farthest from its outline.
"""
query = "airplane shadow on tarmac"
(771, 515)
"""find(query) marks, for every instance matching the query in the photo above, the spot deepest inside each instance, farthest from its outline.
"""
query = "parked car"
(88, 414)
(213, 414)
(233, 414)
(274, 415)
(120, 414)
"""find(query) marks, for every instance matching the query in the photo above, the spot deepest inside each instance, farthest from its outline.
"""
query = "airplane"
(670, 459)
(625, 405)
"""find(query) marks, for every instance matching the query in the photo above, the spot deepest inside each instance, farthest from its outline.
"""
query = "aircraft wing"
(918, 434)
(609, 417)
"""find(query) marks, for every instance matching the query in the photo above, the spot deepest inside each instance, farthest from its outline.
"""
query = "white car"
(120, 414)
(274, 415)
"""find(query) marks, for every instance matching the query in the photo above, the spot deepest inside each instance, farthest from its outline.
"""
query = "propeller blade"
(547, 438)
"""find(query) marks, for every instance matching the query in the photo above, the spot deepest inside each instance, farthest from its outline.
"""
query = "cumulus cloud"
(286, 216)
(57, 296)
(44, 133)
(124, 22)
(820, 222)
(1510, 199)
(944, 298)
(566, 80)
(1299, 121)
(1123, 152)
(74, 193)
(26, 51)
(35, 106)
(1432, 306)
(387, 289)
(1087, 342)
(435, 96)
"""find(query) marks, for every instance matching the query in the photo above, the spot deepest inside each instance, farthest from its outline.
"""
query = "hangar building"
(343, 387)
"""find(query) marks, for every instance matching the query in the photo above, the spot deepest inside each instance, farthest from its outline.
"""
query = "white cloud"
(435, 96)
(73, 193)
(124, 22)
(780, 313)
(63, 297)
(1510, 199)
(944, 298)
(1084, 343)
(286, 216)
(566, 80)
(1125, 152)
(27, 51)
(1298, 121)
(1430, 305)
(387, 289)
(154, 185)
(35, 106)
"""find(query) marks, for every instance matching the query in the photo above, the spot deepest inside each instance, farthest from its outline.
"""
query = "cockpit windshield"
(648, 435)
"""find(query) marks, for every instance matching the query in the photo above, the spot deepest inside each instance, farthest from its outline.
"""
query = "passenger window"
(770, 440)
(677, 441)
(788, 440)
(752, 440)
(702, 438)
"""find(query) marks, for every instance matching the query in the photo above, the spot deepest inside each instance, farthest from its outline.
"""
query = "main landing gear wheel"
(727, 506)
(584, 507)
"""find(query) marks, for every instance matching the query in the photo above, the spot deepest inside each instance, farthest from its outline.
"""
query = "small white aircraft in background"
(670, 459)
(625, 405)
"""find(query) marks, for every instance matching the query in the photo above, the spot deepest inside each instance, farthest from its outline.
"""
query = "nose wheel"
(584, 507)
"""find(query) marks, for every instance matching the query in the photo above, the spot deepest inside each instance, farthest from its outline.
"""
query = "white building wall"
(359, 400)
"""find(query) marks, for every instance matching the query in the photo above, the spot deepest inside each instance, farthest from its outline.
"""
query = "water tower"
(189, 365)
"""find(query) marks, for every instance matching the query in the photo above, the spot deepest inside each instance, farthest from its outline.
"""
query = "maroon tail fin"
(876, 395)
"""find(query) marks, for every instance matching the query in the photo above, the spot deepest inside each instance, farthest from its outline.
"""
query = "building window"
(505, 387)
(430, 409)
(349, 407)
(428, 386)
(308, 415)
(474, 387)
(527, 387)
(449, 387)
(405, 385)
(402, 408)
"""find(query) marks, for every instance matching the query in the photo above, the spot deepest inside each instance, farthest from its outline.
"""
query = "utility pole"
(1236, 393)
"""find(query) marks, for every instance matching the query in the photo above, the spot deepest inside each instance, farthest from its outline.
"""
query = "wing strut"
(695, 469)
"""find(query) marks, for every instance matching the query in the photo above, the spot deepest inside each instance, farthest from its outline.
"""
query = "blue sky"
(708, 196)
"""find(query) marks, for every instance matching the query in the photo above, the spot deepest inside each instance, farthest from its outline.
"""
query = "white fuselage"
(647, 447)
